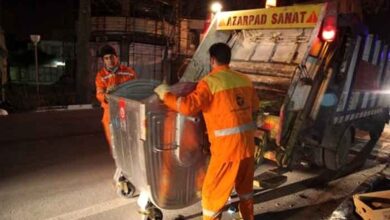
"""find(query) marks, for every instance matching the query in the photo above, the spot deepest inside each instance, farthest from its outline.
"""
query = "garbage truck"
(320, 76)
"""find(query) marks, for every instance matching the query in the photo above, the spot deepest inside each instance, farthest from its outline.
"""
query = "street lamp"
(35, 39)
(216, 7)
(270, 3)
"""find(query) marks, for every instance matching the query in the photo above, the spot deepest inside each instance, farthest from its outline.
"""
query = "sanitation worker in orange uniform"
(227, 100)
(110, 76)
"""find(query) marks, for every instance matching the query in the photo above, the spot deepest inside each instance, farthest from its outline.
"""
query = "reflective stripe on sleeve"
(235, 130)
(246, 196)
(108, 76)
(124, 73)
(210, 213)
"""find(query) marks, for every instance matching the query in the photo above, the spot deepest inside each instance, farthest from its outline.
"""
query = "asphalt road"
(56, 165)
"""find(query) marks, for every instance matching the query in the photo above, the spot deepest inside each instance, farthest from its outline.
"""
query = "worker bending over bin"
(228, 102)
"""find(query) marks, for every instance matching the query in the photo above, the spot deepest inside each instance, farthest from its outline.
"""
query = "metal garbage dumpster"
(160, 152)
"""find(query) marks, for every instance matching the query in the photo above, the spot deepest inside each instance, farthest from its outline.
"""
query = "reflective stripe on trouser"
(235, 130)
(208, 214)
(220, 179)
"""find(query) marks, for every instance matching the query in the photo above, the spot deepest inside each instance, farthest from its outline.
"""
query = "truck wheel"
(336, 158)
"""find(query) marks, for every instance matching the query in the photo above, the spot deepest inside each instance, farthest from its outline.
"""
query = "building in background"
(156, 37)
(148, 38)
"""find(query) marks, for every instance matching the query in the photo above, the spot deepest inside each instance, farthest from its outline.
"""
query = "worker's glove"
(161, 90)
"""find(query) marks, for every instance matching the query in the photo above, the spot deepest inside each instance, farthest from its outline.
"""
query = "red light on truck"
(329, 29)
(328, 34)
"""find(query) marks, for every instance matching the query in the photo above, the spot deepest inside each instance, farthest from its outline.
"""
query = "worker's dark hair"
(221, 52)
(107, 49)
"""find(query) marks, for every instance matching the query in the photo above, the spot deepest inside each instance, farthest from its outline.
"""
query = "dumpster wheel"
(151, 212)
(154, 213)
(125, 188)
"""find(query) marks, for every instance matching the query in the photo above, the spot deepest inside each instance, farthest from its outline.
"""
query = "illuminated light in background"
(59, 63)
(216, 7)
(270, 3)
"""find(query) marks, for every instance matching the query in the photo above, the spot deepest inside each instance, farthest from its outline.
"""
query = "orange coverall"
(105, 82)
(227, 100)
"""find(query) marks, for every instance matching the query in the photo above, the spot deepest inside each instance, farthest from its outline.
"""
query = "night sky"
(57, 19)
(53, 19)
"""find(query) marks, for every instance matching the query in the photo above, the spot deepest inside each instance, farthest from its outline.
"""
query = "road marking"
(95, 209)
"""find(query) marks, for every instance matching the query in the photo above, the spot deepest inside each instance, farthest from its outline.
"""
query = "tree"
(83, 74)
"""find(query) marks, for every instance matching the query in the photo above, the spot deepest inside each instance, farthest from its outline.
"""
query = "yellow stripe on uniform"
(225, 80)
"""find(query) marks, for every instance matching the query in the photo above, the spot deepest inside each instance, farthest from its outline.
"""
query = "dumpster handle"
(180, 119)
(175, 146)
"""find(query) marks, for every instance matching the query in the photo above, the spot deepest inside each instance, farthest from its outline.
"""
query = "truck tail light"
(329, 29)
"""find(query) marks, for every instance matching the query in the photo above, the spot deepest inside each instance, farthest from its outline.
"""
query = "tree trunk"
(3, 64)
(83, 75)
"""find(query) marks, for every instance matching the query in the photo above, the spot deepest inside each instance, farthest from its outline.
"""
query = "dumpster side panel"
(158, 150)
(177, 163)
(127, 144)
